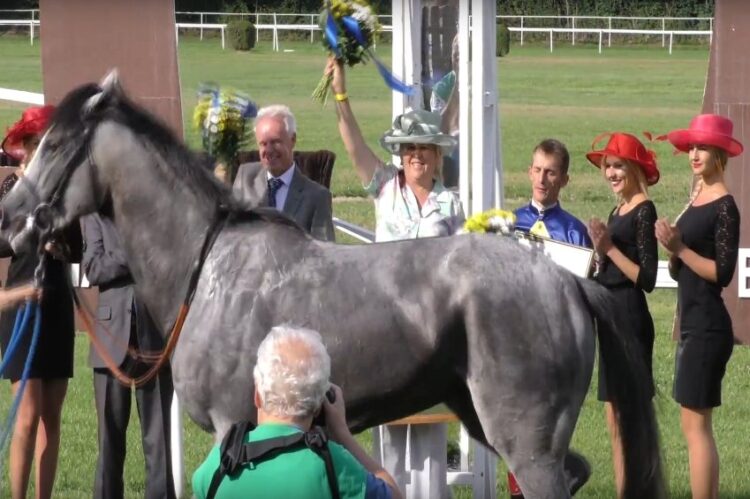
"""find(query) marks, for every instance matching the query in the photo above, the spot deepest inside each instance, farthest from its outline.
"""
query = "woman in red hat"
(628, 258)
(37, 430)
(703, 250)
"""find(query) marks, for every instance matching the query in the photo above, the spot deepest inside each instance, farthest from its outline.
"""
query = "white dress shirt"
(286, 178)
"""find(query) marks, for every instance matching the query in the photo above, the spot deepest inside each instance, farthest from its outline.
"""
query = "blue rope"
(22, 322)
(4, 437)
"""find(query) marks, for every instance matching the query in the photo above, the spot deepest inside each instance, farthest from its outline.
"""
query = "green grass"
(573, 94)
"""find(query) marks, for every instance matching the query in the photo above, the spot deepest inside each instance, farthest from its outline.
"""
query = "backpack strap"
(235, 452)
(230, 453)
(317, 441)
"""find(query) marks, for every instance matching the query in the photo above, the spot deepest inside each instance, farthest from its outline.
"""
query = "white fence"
(561, 25)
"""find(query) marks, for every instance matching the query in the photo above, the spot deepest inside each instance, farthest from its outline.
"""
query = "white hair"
(292, 372)
(278, 111)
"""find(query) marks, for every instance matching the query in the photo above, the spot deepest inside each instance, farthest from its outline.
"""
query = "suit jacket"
(307, 203)
(105, 266)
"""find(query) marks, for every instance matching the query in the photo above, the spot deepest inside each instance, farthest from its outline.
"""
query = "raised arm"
(362, 157)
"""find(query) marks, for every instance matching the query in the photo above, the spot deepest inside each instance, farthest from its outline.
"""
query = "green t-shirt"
(290, 475)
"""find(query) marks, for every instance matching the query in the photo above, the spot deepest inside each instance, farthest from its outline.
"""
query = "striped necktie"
(274, 184)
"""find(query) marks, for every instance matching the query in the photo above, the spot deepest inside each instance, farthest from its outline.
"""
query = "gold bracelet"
(341, 97)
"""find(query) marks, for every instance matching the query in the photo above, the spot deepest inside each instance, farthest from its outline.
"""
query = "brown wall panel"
(728, 94)
(83, 39)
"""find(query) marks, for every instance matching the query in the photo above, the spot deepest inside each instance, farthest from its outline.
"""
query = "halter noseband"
(49, 208)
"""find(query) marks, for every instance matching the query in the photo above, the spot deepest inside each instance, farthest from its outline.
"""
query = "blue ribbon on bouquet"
(351, 26)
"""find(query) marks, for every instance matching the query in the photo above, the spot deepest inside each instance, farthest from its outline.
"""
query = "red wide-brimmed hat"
(707, 130)
(626, 146)
(34, 121)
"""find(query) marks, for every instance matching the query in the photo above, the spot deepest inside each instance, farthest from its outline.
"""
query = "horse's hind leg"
(528, 419)
(533, 443)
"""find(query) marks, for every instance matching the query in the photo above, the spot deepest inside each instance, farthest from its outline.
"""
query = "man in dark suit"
(277, 182)
(124, 324)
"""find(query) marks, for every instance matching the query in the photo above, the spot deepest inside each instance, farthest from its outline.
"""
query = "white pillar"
(485, 138)
(407, 53)
(480, 180)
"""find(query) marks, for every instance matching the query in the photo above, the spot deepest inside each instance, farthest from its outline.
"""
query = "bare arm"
(9, 297)
(339, 432)
(362, 157)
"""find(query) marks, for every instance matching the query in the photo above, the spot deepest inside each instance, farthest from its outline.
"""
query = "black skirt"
(54, 354)
(700, 364)
(640, 326)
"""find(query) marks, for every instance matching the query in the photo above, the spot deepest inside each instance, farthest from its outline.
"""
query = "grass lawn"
(573, 94)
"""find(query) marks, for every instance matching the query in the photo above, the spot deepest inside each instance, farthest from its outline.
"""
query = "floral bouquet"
(494, 221)
(350, 27)
(221, 115)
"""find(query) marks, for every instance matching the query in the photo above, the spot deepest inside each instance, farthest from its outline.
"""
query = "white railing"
(32, 20)
(610, 32)
(276, 22)
(576, 21)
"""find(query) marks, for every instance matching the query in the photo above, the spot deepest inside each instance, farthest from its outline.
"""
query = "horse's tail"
(629, 385)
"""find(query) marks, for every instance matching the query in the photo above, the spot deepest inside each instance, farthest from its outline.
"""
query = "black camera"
(320, 419)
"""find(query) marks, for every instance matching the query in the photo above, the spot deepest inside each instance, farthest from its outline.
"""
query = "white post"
(407, 53)
(671, 38)
(550, 40)
(31, 27)
(175, 436)
(573, 33)
(312, 27)
(222, 38)
(485, 161)
(464, 137)
(663, 29)
(257, 31)
(609, 26)
(521, 30)
(201, 19)
(176, 35)
(600, 41)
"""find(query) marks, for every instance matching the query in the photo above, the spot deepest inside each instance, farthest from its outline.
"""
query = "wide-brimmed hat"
(707, 130)
(417, 127)
(626, 146)
(34, 121)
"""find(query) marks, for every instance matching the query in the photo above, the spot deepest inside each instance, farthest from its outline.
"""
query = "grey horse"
(509, 347)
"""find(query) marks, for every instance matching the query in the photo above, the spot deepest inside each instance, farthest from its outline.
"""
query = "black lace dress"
(706, 341)
(54, 354)
(633, 234)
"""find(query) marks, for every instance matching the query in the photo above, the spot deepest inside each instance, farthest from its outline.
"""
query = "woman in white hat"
(703, 250)
(410, 201)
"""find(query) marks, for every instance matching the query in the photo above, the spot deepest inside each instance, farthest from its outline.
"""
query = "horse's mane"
(191, 169)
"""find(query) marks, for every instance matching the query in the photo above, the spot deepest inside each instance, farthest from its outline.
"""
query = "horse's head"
(61, 181)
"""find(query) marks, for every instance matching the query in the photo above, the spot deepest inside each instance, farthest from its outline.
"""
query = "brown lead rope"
(162, 359)
(174, 335)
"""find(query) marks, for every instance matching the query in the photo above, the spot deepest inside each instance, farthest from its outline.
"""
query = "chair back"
(315, 165)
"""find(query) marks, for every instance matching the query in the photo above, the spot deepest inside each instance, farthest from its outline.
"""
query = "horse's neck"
(162, 223)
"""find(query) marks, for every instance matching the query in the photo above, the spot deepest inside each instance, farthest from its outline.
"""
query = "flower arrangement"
(349, 27)
(221, 116)
(493, 221)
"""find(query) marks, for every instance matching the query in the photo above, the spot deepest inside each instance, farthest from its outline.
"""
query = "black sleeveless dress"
(54, 354)
(706, 340)
(633, 234)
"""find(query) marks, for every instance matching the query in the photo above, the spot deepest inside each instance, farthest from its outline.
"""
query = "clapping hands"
(669, 236)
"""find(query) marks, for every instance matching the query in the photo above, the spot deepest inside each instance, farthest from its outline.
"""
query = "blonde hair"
(719, 158)
(633, 174)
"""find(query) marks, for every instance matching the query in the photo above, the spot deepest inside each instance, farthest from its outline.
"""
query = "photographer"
(291, 379)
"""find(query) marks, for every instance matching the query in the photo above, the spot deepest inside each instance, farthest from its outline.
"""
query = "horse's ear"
(110, 89)
(110, 84)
